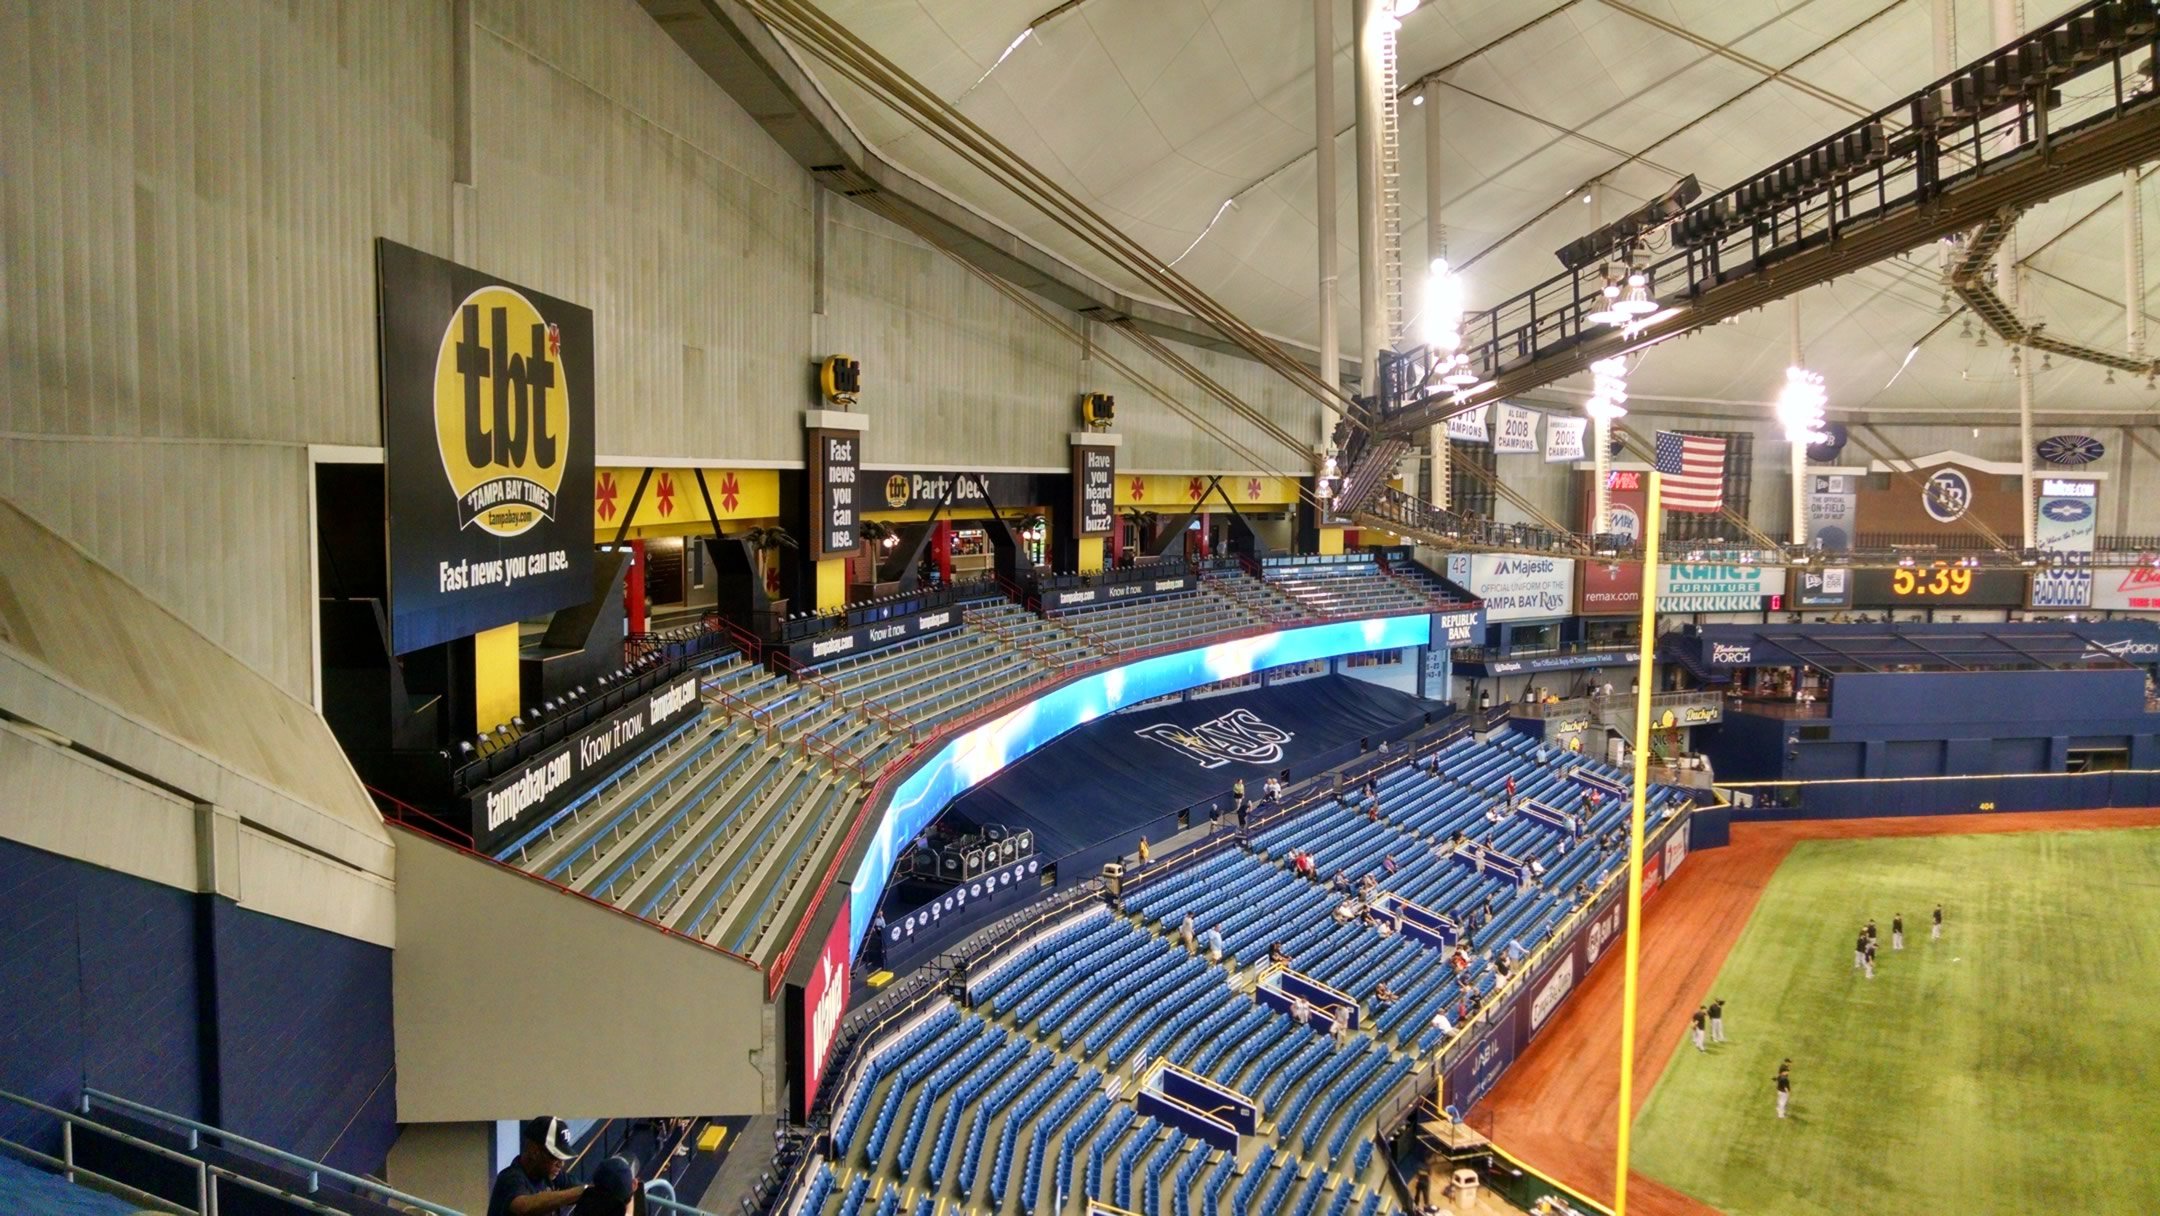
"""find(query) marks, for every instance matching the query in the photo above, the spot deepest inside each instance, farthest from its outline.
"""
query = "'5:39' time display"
(1939, 585)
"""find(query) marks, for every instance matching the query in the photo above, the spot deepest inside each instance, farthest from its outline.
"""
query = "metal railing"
(314, 1171)
(1958, 130)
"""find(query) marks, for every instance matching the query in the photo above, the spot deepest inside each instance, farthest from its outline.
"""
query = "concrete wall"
(510, 997)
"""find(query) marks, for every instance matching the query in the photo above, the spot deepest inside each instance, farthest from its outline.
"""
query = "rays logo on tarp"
(1240, 736)
(502, 412)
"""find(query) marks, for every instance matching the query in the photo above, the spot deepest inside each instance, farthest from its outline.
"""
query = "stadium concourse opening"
(781, 608)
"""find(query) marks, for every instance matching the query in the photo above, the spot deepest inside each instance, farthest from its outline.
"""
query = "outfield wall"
(1865, 799)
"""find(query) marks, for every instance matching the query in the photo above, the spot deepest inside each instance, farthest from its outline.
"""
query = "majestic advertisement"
(835, 503)
(824, 1002)
(2066, 521)
(1686, 588)
(1517, 588)
(982, 751)
(1822, 588)
(1094, 474)
(1832, 506)
(527, 796)
(487, 408)
(1518, 430)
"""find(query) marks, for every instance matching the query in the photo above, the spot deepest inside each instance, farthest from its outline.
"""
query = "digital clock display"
(1939, 585)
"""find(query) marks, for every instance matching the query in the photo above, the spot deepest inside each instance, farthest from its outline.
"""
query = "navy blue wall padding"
(1955, 796)
(304, 1039)
(99, 972)
(1102, 782)
(1710, 827)
(188, 1003)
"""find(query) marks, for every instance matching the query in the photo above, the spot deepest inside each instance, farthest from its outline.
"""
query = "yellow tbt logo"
(502, 412)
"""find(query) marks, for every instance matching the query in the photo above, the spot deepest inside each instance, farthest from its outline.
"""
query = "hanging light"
(1800, 406)
(1609, 313)
(1608, 389)
(1637, 301)
(1443, 307)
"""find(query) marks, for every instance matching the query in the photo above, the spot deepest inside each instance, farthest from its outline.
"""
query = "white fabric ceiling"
(1155, 112)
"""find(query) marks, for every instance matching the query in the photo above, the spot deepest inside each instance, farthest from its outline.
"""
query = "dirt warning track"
(1555, 1109)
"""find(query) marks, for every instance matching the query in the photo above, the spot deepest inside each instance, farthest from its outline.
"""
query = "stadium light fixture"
(1800, 406)
(1608, 390)
(1637, 301)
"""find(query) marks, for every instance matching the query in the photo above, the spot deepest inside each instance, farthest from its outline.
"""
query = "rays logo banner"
(487, 406)
(1240, 736)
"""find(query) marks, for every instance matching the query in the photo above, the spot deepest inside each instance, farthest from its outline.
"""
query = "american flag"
(1694, 469)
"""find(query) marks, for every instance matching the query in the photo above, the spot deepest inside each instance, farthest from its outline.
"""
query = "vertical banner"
(1469, 426)
(835, 507)
(1094, 474)
(1564, 439)
(2066, 523)
(1831, 505)
(1518, 429)
(487, 409)
(824, 1002)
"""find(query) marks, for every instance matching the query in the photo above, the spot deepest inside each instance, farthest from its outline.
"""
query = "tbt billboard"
(487, 409)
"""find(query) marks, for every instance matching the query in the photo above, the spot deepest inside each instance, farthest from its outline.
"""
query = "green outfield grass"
(2012, 1067)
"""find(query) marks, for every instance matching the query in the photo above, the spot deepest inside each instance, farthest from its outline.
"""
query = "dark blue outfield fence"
(1866, 798)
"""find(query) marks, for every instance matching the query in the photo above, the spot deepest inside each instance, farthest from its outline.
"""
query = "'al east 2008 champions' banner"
(487, 404)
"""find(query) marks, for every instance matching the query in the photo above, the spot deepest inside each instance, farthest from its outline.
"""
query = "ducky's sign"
(487, 402)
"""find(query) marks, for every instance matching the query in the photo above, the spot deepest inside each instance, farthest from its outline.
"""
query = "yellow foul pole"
(1653, 523)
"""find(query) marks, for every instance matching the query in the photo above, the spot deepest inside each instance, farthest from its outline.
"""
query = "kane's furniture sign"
(487, 407)
(1685, 588)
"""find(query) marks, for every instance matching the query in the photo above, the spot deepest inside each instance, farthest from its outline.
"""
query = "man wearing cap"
(526, 1186)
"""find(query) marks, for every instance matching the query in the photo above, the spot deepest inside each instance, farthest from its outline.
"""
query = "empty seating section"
(929, 681)
(1346, 589)
(1139, 625)
(1264, 600)
(1045, 639)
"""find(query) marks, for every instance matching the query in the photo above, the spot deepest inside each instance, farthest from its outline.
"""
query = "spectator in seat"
(1276, 954)
(1341, 882)
(1389, 863)
(527, 1186)
(613, 1187)
(1383, 996)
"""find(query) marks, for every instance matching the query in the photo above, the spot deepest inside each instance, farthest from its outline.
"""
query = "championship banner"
(487, 409)
(1518, 430)
(1564, 439)
(1469, 426)
(2066, 522)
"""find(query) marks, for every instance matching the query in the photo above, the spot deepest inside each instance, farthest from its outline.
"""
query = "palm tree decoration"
(764, 540)
(880, 533)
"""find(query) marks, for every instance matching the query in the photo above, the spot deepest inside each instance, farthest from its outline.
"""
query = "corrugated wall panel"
(202, 528)
(612, 173)
(953, 371)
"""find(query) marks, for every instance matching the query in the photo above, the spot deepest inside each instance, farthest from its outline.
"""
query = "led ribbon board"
(982, 751)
